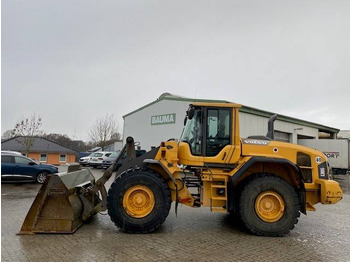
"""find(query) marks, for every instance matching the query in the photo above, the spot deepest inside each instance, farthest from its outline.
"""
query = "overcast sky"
(74, 61)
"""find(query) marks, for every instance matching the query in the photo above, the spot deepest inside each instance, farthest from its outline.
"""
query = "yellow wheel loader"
(265, 183)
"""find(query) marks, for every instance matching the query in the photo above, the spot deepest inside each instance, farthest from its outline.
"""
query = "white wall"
(118, 145)
(138, 125)
(251, 125)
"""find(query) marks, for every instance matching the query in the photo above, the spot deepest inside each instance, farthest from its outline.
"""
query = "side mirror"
(190, 113)
(31, 163)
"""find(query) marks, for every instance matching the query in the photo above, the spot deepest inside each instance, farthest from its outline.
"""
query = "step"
(222, 198)
(218, 186)
(218, 209)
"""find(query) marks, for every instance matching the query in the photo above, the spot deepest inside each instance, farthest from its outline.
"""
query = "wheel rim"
(41, 178)
(269, 206)
(138, 201)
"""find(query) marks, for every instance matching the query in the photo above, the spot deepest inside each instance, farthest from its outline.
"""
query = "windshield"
(97, 154)
(193, 133)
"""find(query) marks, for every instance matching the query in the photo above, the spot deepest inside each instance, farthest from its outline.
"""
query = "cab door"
(207, 137)
(217, 140)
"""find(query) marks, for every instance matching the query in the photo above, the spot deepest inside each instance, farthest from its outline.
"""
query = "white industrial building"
(164, 118)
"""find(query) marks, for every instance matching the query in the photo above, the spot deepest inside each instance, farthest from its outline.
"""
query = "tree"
(7, 134)
(28, 128)
(63, 140)
(66, 141)
(116, 137)
(104, 131)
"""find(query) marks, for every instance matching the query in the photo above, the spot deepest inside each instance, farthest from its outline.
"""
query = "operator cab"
(207, 132)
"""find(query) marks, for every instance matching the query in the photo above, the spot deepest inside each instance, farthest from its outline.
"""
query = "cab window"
(218, 133)
(192, 133)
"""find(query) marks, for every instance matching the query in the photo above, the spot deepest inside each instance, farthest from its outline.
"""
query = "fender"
(259, 159)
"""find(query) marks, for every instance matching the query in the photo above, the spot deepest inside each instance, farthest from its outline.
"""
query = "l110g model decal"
(255, 142)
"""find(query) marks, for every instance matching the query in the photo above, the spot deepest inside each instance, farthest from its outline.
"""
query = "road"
(195, 234)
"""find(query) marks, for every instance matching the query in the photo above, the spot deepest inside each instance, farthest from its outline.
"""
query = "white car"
(84, 161)
(96, 158)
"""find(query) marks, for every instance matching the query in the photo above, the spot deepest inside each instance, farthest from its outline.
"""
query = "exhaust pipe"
(270, 127)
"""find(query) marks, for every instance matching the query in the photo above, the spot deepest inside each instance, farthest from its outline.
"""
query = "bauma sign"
(163, 119)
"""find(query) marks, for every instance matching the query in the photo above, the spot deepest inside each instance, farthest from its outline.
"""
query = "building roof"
(168, 96)
(344, 134)
(40, 145)
(244, 109)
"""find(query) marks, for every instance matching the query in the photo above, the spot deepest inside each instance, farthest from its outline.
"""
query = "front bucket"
(58, 208)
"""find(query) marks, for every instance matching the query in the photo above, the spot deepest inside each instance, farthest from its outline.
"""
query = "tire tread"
(126, 227)
(268, 178)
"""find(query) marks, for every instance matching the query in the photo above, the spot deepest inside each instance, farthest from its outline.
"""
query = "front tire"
(138, 201)
(41, 177)
(269, 206)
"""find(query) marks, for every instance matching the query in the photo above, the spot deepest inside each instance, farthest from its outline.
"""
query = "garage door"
(282, 136)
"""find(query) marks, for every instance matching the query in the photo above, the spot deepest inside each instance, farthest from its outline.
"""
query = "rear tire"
(138, 201)
(269, 206)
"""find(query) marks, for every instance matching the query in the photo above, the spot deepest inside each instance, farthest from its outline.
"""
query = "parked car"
(107, 162)
(96, 158)
(17, 168)
(84, 161)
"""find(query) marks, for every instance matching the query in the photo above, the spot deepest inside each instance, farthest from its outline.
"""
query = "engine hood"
(276, 149)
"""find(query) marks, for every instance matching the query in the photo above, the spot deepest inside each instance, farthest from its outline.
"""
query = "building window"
(43, 158)
(62, 158)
